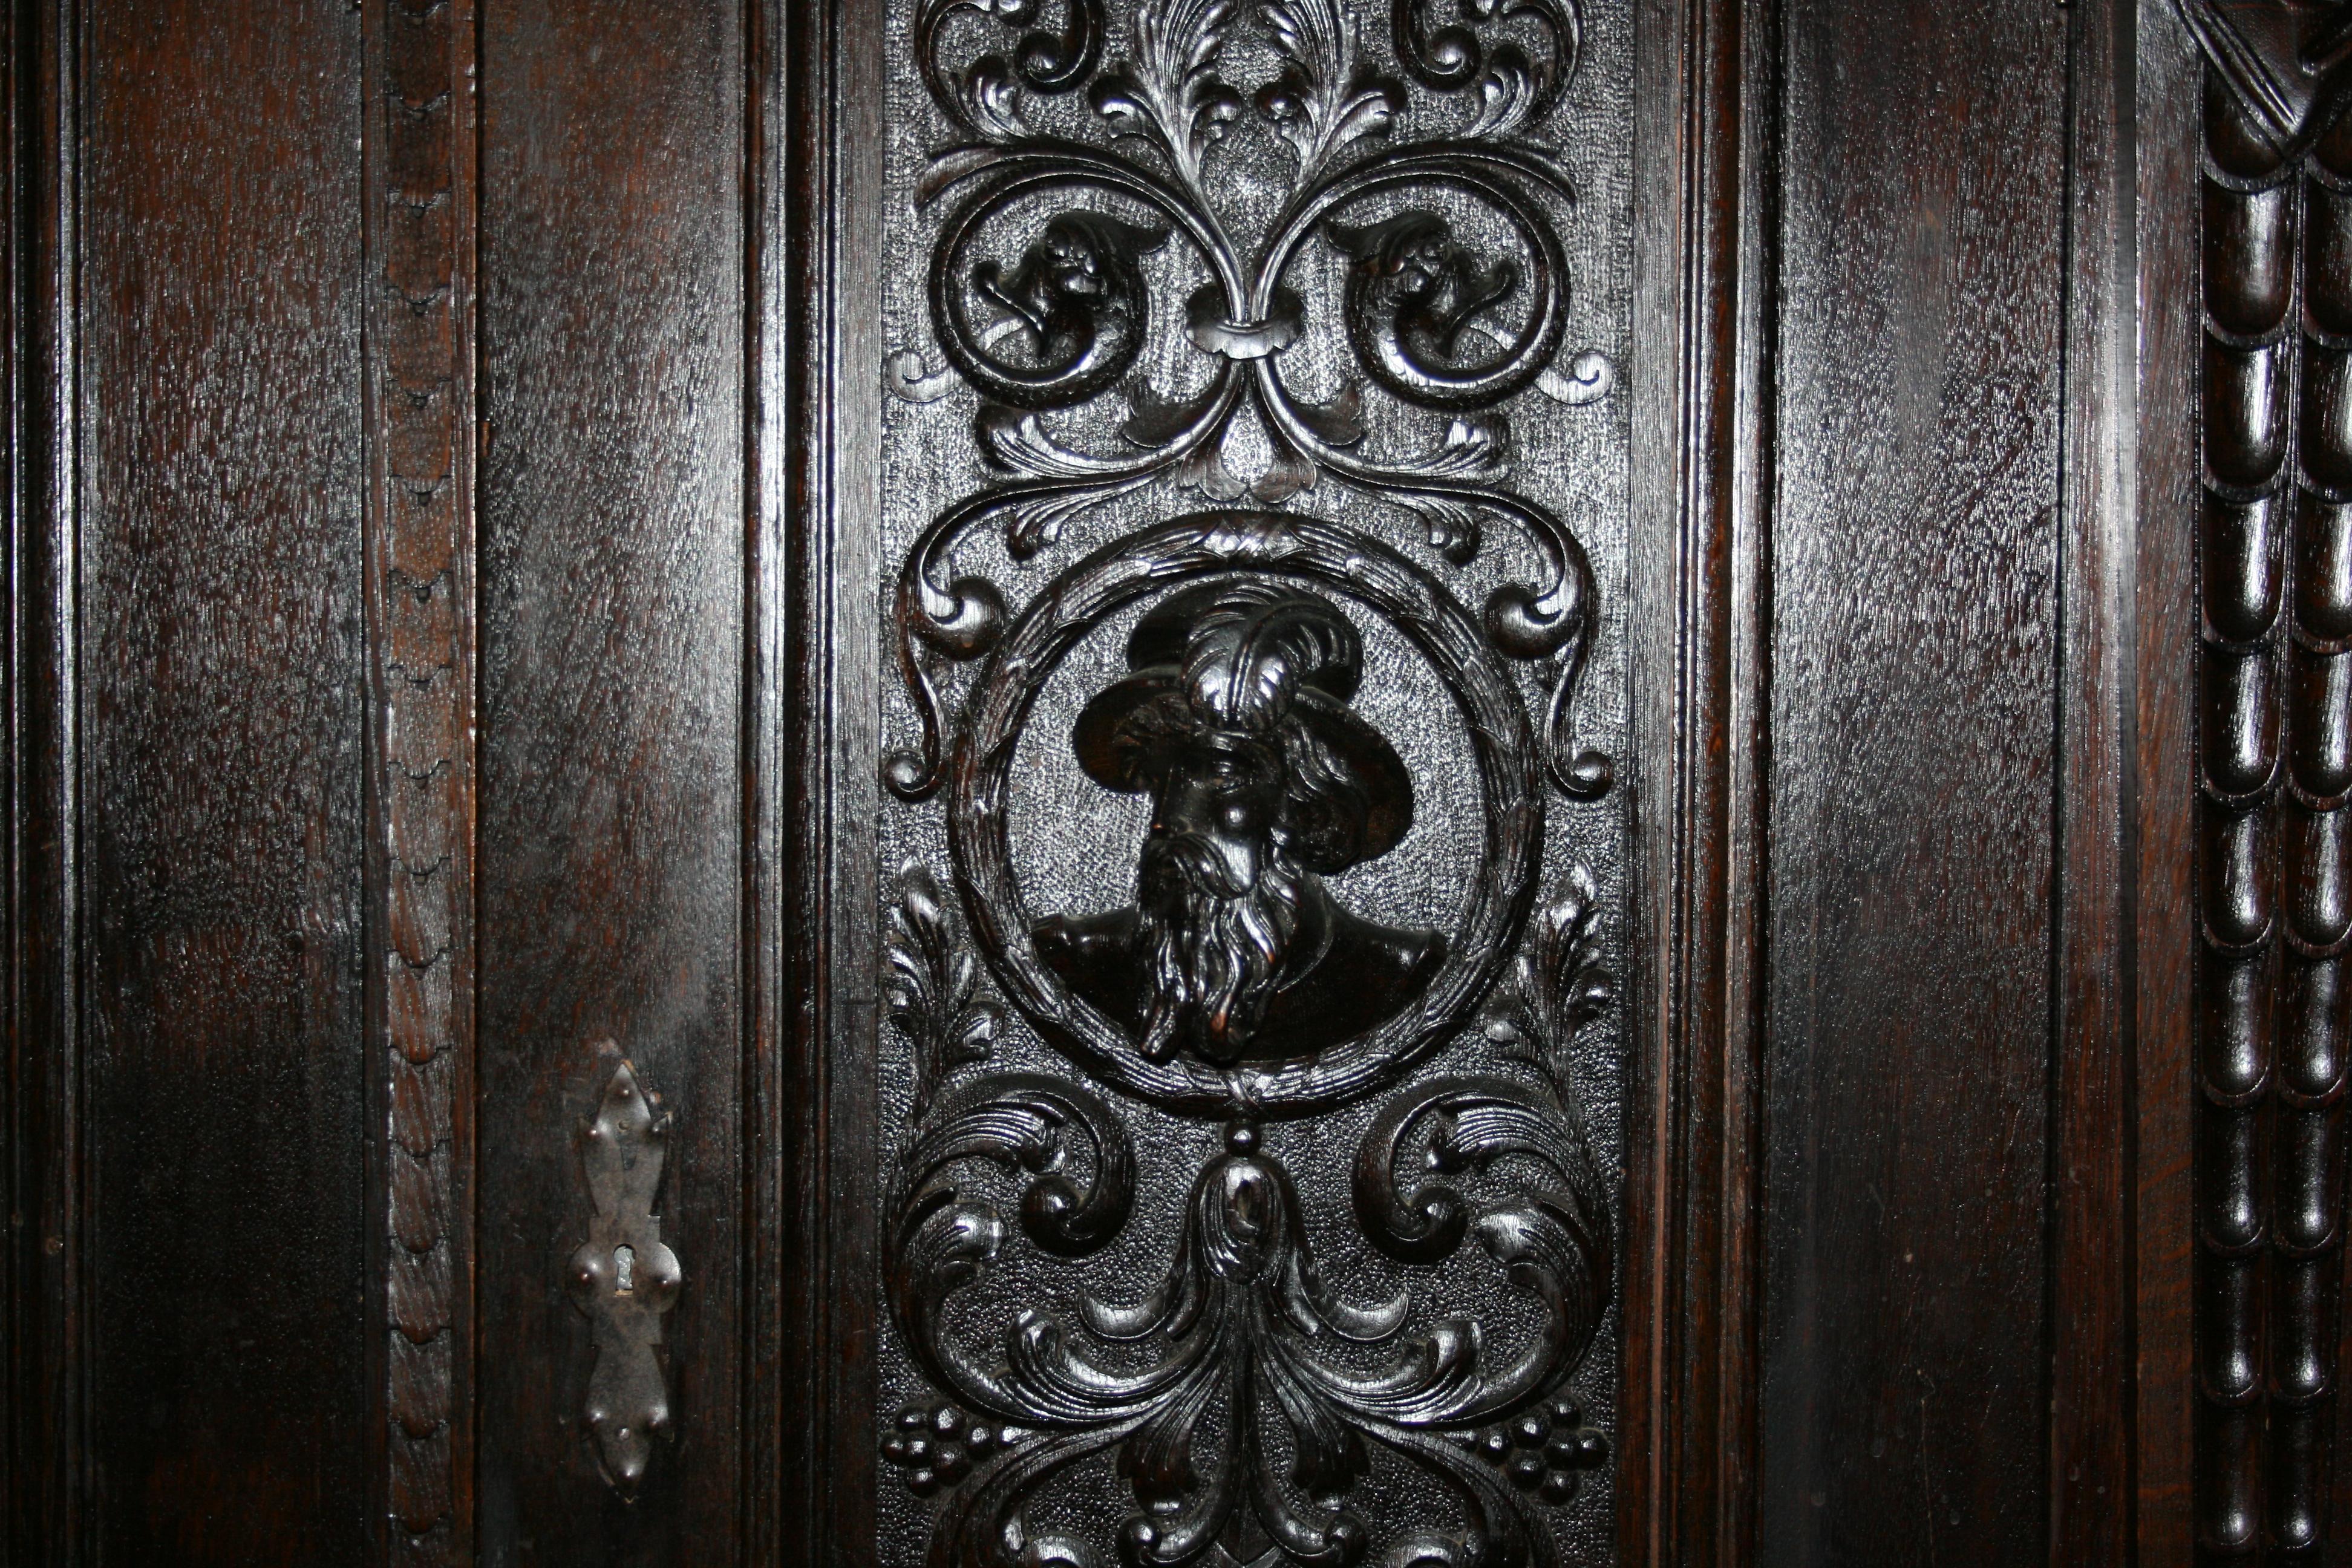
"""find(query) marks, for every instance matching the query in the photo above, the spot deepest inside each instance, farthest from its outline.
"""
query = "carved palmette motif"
(2275, 772)
(1230, 1406)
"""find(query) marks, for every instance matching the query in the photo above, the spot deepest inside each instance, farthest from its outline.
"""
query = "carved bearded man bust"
(1234, 719)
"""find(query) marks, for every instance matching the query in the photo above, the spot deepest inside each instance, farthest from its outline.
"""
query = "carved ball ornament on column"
(1238, 1404)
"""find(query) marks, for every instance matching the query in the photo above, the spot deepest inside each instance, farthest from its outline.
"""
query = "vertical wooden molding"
(770, 333)
(421, 228)
(2164, 938)
(2163, 934)
(827, 458)
(803, 391)
(2274, 775)
(12, 1175)
(48, 1487)
(1703, 422)
(2091, 1210)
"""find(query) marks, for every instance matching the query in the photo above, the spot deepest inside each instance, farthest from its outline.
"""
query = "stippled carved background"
(1313, 312)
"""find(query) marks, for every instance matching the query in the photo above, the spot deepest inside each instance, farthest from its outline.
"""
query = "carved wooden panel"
(2274, 742)
(1253, 488)
(1339, 772)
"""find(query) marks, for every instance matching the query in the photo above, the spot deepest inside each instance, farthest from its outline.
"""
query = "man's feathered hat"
(1242, 655)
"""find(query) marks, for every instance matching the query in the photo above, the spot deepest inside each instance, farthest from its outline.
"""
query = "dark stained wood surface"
(45, 1320)
(421, 155)
(826, 463)
(1702, 491)
(221, 713)
(1911, 772)
(611, 592)
(776, 1259)
(2169, 148)
(14, 1320)
(1914, 669)
(2092, 1207)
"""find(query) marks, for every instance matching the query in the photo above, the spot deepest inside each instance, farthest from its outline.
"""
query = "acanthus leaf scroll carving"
(1421, 312)
(1230, 1406)
(1243, 1334)
(1555, 989)
(933, 993)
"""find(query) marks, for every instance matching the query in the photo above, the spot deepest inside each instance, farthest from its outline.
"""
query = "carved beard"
(1213, 942)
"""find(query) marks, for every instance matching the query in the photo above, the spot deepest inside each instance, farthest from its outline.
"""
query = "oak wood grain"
(2168, 139)
(46, 1320)
(611, 582)
(2092, 1210)
(1914, 648)
(221, 728)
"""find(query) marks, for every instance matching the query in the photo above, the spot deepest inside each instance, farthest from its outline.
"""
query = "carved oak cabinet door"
(1176, 783)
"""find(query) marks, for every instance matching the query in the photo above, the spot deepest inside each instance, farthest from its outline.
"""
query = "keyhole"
(624, 1264)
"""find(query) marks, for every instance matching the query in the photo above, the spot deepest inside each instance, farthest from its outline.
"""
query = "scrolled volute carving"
(1413, 293)
(1241, 1401)
(1515, 87)
(1025, 1121)
(983, 99)
(1062, 326)
(1077, 298)
(1243, 1333)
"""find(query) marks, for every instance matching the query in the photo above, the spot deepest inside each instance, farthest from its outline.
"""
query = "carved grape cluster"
(1543, 1451)
(1242, 1356)
(937, 1446)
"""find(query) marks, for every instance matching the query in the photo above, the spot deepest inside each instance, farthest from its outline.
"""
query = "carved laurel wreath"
(1416, 303)
(1244, 1400)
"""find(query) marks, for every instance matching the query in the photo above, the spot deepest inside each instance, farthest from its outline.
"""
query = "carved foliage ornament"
(1242, 1351)
(1239, 1401)
(1425, 315)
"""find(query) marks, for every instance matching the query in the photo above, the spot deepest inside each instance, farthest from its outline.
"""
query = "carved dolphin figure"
(1080, 298)
(1415, 272)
